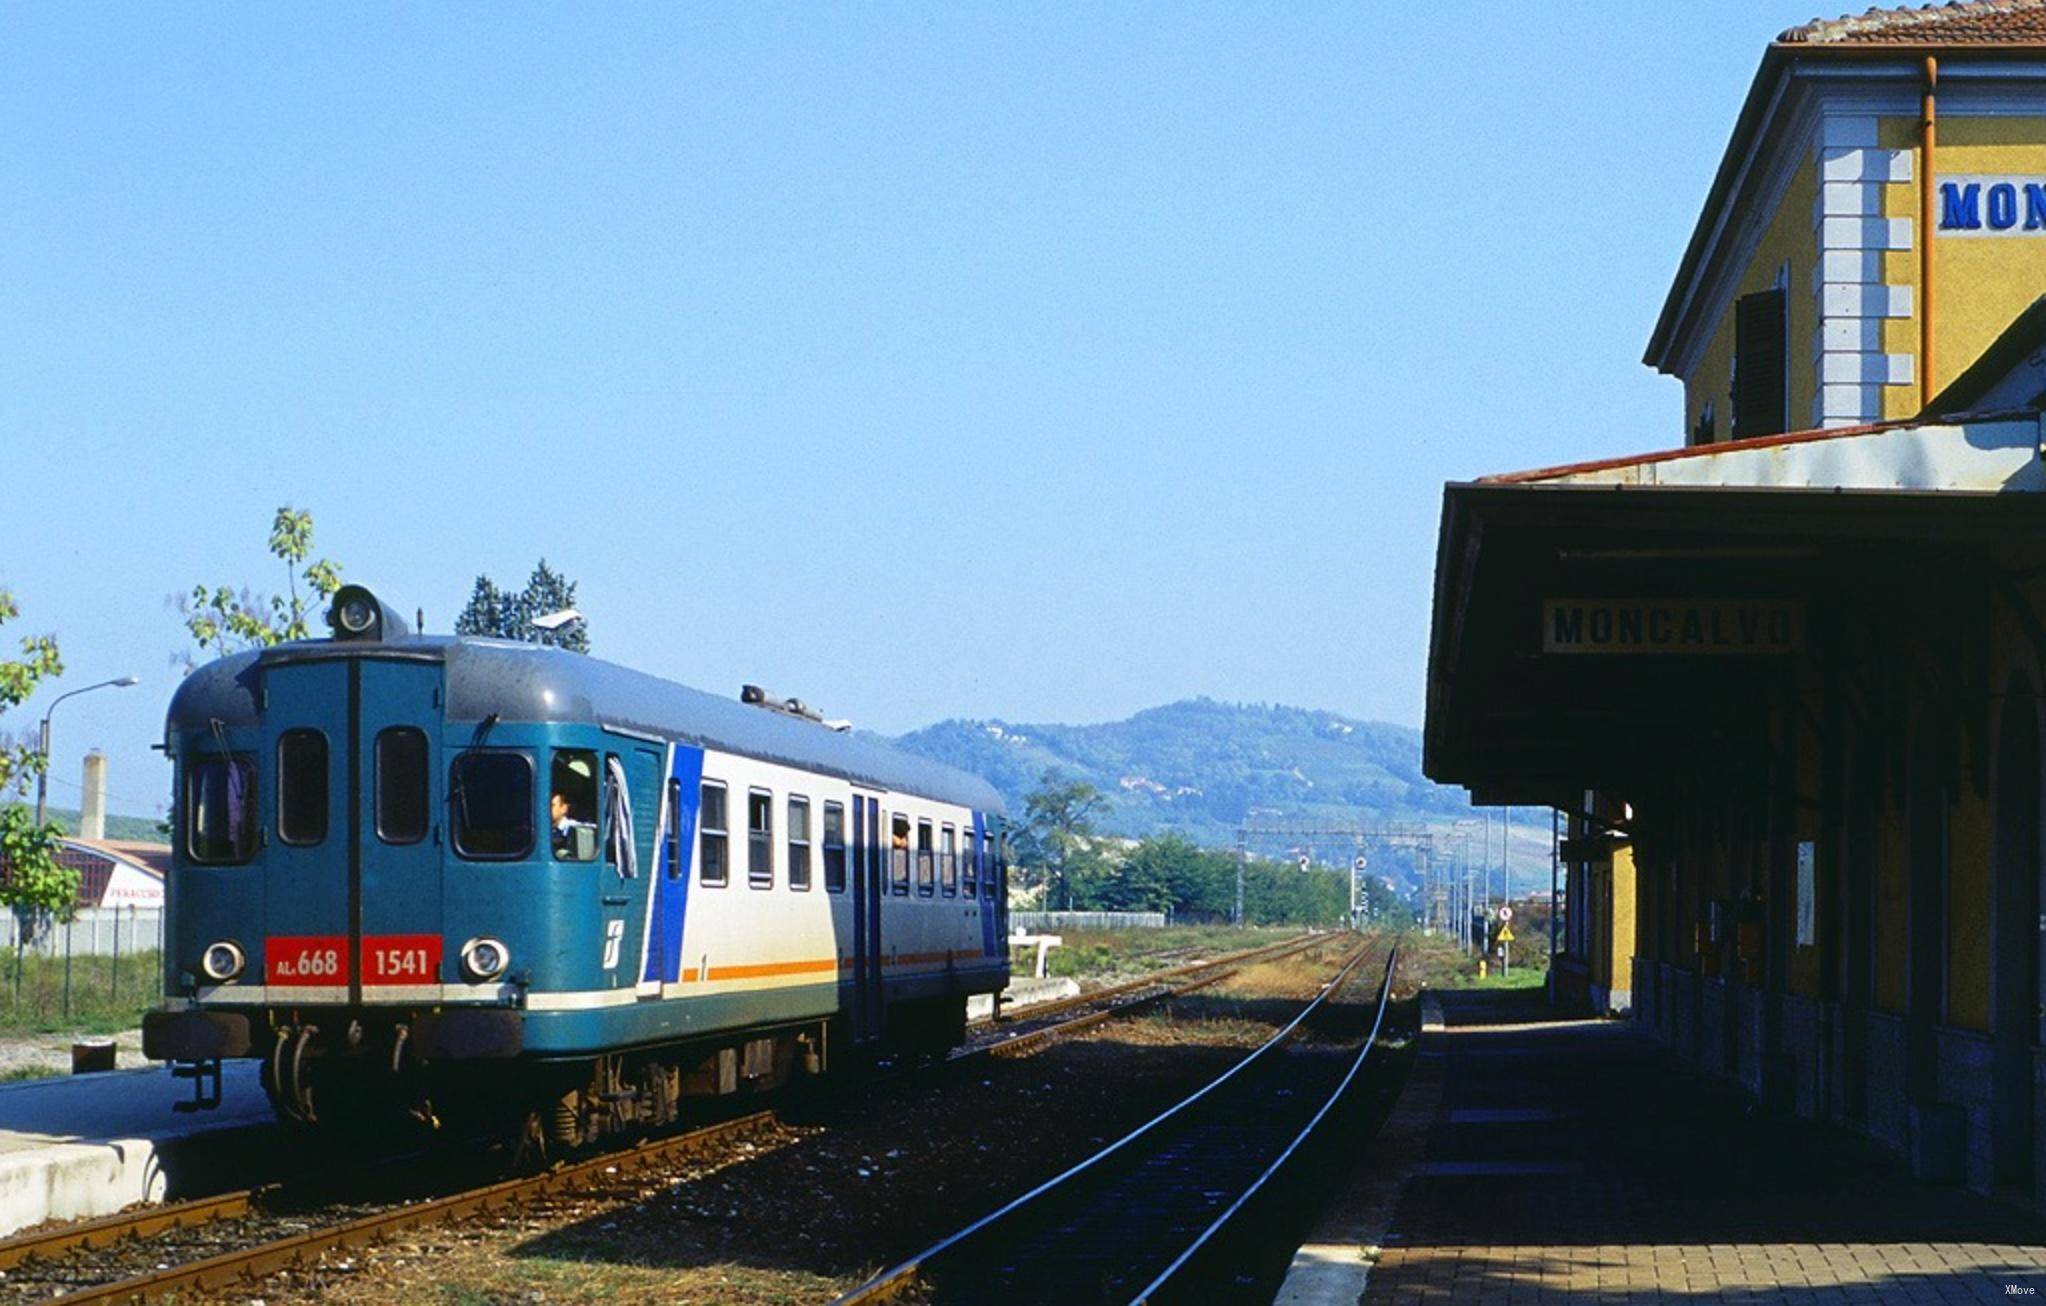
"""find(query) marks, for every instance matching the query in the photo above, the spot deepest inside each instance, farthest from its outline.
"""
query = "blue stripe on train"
(671, 883)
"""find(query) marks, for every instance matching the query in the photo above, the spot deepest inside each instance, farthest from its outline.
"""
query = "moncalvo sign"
(1701, 627)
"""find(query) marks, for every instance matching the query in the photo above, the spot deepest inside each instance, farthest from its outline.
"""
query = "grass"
(1094, 954)
(1437, 962)
(104, 998)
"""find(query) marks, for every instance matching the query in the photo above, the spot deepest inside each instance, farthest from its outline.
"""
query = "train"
(454, 880)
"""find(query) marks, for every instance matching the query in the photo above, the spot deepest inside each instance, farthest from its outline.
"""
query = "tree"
(488, 611)
(504, 615)
(224, 619)
(34, 885)
(1057, 842)
(550, 591)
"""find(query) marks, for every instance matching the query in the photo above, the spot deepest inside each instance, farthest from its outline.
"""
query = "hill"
(1199, 767)
(143, 829)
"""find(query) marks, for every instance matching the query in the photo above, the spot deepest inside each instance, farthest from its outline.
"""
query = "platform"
(85, 1145)
(1541, 1160)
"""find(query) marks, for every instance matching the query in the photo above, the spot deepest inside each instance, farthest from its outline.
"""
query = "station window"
(220, 808)
(969, 863)
(672, 846)
(760, 839)
(401, 777)
(491, 792)
(301, 786)
(925, 862)
(948, 862)
(799, 842)
(898, 853)
(711, 853)
(834, 847)
(572, 805)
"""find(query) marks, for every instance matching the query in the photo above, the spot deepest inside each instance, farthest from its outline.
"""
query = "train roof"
(534, 683)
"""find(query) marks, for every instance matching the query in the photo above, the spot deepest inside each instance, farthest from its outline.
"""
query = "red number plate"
(401, 959)
(306, 958)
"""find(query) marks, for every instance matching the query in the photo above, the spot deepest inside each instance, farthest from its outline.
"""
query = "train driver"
(572, 806)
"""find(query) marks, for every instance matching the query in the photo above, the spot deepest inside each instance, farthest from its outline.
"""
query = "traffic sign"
(1505, 912)
(1360, 863)
(1505, 934)
(1303, 861)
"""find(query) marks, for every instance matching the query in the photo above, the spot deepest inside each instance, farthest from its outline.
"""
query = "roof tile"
(1961, 22)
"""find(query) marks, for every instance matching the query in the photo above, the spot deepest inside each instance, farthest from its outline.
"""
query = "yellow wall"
(1968, 911)
(1620, 950)
(1980, 283)
(1790, 238)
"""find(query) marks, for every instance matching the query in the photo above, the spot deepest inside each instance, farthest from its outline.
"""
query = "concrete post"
(92, 816)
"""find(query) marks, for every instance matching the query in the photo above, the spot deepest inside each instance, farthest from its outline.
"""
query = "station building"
(1786, 671)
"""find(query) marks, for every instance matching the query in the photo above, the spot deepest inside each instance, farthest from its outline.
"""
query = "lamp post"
(43, 776)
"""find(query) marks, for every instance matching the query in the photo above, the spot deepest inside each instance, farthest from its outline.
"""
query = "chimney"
(92, 818)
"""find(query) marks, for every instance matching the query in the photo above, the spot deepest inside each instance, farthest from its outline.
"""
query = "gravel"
(845, 1186)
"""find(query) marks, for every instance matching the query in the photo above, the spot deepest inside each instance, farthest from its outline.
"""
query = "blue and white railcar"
(472, 877)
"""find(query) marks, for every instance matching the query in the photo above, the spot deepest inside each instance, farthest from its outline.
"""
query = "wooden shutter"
(1761, 358)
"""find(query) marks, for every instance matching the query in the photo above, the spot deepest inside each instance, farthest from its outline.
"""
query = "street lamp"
(43, 776)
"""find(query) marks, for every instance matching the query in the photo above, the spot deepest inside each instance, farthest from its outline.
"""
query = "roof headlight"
(355, 615)
(222, 961)
(484, 958)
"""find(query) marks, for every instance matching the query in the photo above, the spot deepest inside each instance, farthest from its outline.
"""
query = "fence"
(95, 974)
(95, 932)
(1032, 921)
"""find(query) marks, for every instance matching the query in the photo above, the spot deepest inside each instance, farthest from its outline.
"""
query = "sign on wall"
(1699, 627)
(1992, 206)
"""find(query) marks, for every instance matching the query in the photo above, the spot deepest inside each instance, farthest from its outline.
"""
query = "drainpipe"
(1928, 132)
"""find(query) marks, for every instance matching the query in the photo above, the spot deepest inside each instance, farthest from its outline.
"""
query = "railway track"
(1144, 1218)
(42, 1261)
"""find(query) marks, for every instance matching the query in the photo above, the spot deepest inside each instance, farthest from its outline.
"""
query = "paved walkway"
(1569, 1162)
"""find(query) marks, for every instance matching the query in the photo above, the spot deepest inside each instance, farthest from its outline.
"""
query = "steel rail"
(903, 1276)
(106, 1230)
(1258, 1185)
(1193, 977)
(1038, 1010)
(225, 1268)
(219, 1271)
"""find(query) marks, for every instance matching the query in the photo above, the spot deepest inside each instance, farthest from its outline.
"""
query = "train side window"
(220, 808)
(760, 838)
(673, 846)
(988, 868)
(948, 862)
(491, 792)
(799, 842)
(401, 778)
(969, 864)
(301, 786)
(572, 805)
(834, 847)
(711, 852)
(898, 853)
(925, 871)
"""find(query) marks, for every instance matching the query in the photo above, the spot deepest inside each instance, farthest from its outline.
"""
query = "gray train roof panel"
(528, 682)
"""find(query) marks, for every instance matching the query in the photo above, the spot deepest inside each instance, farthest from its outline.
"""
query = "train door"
(396, 842)
(868, 1008)
(303, 829)
(631, 816)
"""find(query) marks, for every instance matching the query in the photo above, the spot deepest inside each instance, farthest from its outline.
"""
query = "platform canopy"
(1591, 619)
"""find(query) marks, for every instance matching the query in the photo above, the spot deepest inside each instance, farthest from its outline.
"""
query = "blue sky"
(1042, 363)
